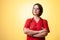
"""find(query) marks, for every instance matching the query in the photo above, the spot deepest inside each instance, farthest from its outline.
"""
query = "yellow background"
(14, 13)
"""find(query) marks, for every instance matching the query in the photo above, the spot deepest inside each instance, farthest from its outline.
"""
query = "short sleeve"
(45, 22)
(27, 23)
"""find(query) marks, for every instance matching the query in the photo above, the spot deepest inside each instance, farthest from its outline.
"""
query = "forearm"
(42, 33)
(30, 32)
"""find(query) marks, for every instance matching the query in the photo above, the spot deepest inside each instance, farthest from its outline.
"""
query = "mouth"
(35, 12)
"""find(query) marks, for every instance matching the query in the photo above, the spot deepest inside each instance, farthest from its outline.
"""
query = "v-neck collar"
(38, 20)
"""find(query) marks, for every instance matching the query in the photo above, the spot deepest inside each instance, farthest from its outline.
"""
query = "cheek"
(38, 11)
(35, 11)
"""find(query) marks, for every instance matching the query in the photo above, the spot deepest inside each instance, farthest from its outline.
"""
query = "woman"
(36, 28)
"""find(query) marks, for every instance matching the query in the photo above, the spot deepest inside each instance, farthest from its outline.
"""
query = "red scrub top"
(32, 25)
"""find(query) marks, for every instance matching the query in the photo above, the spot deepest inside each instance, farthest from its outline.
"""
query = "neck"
(36, 17)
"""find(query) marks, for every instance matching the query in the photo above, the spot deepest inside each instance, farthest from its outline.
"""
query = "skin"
(41, 33)
(32, 33)
(36, 10)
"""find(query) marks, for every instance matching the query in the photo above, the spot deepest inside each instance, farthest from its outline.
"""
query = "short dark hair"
(40, 8)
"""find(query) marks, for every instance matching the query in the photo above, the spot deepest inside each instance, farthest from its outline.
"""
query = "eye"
(35, 8)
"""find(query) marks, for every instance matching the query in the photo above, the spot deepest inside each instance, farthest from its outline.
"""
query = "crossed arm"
(41, 33)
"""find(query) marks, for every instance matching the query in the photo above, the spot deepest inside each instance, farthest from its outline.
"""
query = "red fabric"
(32, 25)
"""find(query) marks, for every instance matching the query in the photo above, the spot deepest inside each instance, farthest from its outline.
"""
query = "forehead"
(36, 6)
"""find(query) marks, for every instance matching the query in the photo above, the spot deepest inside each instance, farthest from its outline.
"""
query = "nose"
(35, 9)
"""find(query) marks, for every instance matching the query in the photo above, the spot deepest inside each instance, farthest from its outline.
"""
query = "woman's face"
(36, 10)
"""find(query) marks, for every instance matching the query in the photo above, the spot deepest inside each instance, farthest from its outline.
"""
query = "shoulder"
(44, 20)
